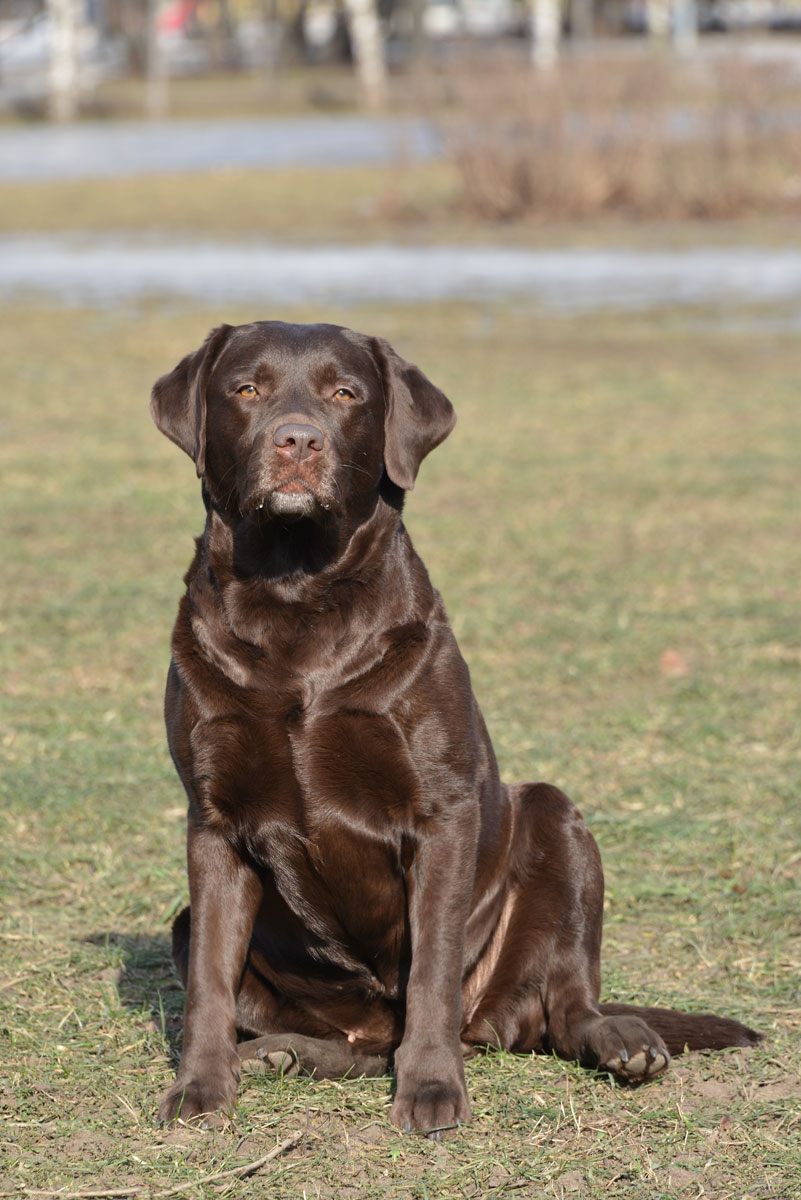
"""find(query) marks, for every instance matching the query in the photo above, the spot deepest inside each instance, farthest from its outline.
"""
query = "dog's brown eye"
(247, 390)
(344, 393)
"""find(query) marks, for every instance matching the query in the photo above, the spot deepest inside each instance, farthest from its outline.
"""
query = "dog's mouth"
(291, 501)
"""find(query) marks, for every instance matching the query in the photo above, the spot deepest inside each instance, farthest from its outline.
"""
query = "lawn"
(614, 527)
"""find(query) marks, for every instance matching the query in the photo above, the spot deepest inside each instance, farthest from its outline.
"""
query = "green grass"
(614, 526)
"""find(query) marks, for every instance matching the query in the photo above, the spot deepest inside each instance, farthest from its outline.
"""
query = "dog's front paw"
(208, 1099)
(431, 1104)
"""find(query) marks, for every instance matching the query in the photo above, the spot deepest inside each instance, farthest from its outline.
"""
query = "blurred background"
(497, 126)
(66, 57)
(582, 221)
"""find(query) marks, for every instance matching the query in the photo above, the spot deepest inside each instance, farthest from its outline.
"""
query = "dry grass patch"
(650, 137)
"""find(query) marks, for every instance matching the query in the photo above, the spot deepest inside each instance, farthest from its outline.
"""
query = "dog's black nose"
(299, 441)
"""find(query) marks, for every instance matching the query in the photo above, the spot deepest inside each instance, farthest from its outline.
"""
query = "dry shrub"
(656, 138)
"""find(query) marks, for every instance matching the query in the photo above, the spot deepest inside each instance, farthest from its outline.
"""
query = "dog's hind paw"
(626, 1047)
(280, 1062)
(641, 1066)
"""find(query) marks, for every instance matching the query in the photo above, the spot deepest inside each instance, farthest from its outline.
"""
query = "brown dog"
(363, 886)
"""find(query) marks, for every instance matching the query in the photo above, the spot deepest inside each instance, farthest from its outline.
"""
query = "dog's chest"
(329, 827)
(304, 760)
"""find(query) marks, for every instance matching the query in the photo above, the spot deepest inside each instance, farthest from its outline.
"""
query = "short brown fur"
(364, 888)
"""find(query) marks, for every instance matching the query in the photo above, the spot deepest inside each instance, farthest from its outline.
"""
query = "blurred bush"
(658, 137)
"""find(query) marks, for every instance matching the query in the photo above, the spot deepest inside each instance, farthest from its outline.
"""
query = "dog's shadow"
(146, 980)
(147, 983)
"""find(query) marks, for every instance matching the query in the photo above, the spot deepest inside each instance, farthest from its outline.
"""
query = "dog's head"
(292, 421)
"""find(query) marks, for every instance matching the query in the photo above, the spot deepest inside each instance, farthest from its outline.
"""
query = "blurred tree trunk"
(657, 17)
(418, 8)
(64, 80)
(156, 66)
(273, 35)
(582, 19)
(223, 45)
(545, 20)
(685, 26)
(368, 50)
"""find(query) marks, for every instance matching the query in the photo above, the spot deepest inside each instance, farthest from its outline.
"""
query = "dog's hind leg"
(543, 992)
(281, 1052)
(294, 1053)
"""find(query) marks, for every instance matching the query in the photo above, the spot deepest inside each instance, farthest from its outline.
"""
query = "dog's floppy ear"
(418, 415)
(178, 399)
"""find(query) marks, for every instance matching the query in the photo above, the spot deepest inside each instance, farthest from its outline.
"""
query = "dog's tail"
(688, 1031)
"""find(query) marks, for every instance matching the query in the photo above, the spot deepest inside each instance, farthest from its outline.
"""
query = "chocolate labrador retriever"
(364, 888)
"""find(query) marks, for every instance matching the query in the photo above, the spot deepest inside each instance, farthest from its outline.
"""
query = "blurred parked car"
(722, 16)
(25, 59)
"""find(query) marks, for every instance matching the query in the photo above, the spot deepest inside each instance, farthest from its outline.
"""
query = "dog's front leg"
(431, 1096)
(225, 894)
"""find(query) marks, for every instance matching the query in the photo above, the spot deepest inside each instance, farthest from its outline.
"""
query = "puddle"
(108, 270)
(91, 150)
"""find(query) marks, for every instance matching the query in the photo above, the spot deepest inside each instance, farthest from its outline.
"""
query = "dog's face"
(299, 421)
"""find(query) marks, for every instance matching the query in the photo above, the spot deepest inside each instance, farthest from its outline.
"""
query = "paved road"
(94, 149)
(107, 270)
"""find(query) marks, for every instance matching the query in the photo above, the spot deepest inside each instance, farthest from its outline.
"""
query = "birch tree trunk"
(64, 81)
(545, 20)
(368, 49)
(685, 26)
(657, 17)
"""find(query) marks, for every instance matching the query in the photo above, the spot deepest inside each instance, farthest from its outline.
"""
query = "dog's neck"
(371, 585)
(301, 562)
